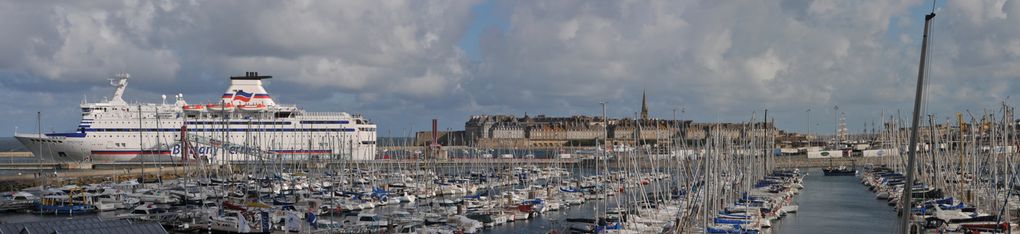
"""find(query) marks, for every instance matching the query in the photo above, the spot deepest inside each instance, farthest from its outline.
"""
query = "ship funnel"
(248, 90)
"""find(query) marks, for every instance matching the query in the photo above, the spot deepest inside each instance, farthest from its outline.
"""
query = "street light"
(808, 136)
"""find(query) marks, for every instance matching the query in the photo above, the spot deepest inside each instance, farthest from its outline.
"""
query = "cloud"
(766, 66)
(401, 62)
(732, 57)
(723, 60)
(357, 53)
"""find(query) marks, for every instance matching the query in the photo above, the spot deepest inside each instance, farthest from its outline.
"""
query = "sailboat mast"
(768, 150)
(912, 146)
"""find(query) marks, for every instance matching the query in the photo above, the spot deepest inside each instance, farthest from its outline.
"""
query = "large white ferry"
(246, 124)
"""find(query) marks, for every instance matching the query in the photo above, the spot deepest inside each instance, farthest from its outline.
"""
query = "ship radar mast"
(119, 81)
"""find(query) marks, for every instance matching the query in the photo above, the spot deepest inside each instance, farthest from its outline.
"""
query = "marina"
(238, 177)
(731, 178)
(527, 201)
(813, 216)
(433, 117)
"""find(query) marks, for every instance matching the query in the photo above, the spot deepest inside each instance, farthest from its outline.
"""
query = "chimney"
(435, 133)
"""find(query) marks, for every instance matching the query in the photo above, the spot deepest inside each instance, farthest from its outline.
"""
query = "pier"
(802, 161)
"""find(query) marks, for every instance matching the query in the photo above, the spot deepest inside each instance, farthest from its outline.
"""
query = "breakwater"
(802, 161)
(29, 178)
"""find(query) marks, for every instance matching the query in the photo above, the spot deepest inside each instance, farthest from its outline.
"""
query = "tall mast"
(912, 146)
(141, 143)
(768, 150)
(835, 123)
(39, 134)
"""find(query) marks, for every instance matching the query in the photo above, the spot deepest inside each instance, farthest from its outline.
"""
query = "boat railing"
(327, 114)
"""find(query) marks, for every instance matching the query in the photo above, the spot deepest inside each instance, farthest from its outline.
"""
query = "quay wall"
(57, 178)
(802, 161)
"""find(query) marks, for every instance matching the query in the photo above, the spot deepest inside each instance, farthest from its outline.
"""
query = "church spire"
(644, 106)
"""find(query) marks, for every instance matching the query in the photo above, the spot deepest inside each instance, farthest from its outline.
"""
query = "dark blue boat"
(59, 205)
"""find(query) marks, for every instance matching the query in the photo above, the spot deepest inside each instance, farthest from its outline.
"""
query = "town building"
(580, 130)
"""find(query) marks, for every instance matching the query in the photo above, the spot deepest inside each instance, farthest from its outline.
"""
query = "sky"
(403, 63)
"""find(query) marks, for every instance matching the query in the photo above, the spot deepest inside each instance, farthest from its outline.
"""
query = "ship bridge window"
(283, 114)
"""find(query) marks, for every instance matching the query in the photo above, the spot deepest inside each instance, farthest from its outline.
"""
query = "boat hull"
(839, 172)
(64, 209)
(59, 149)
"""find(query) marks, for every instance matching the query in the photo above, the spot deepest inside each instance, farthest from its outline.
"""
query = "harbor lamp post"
(808, 136)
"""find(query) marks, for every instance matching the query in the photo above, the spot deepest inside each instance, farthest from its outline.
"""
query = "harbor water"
(837, 204)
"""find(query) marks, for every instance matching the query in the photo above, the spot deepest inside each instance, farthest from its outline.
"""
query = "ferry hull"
(68, 149)
(59, 149)
(64, 149)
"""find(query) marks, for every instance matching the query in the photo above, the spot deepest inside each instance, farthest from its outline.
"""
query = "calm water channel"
(837, 204)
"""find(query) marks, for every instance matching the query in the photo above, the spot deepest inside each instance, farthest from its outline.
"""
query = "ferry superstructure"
(245, 124)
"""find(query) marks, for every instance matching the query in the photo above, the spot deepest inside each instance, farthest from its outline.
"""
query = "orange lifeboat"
(194, 108)
(218, 107)
(258, 107)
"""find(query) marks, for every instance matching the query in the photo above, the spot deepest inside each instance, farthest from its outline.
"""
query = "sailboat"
(840, 171)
